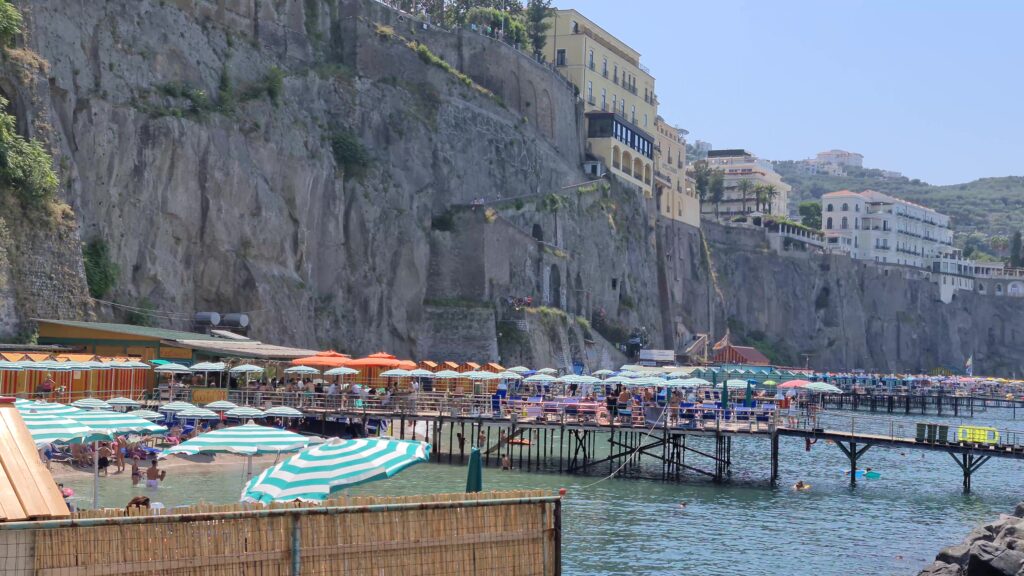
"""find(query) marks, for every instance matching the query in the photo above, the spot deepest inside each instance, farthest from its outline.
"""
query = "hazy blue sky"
(932, 88)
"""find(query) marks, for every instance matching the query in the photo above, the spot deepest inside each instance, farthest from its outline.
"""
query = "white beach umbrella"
(519, 369)
(282, 412)
(246, 369)
(394, 373)
(146, 414)
(301, 370)
(447, 374)
(122, 402)
(91, 404)
(421, 373)
(245, 412)
(547, 371)
(221, 405)
(341, 371)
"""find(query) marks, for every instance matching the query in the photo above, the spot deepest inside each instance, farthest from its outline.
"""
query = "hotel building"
(738, 165)
(873, 226)
(617, 92)
(675, 192)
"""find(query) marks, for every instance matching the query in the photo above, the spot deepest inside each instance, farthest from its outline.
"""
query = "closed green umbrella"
(725, 394)
(475, 475)
(748, 398)
(319, 471)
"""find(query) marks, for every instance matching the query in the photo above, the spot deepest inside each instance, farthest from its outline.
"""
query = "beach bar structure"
(148, 344)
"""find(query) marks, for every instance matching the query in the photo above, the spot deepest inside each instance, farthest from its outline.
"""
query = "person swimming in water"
(800, 486)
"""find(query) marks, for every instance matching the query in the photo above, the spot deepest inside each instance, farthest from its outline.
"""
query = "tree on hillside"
(1016, 251)
(744, 186)
(810, 214)
(702, 179)
(716, 189)
(537, 24)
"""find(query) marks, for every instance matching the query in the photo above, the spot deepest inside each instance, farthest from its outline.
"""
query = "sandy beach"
(64, 470)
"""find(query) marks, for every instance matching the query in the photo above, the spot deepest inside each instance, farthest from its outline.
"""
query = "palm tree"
(760, 195)
(744, 186)
(770, 193)
(716, 189)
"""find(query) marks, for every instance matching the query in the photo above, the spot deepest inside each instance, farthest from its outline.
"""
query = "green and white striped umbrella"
(122, 402)
(245, 412)
(146, 414)
(282, 412)
(246, 369)
(301, 370)
(196, 413)
(172, 368)
(341, 371)
(47, 428)
(110, 424)
(250, 438)
(177, 406)
(221, 406)
(49, 408)
(91, 404)
(317, 472)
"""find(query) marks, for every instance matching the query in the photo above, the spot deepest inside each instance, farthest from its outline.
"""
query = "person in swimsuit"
(154, 476)
(104, 457)
(136, 472)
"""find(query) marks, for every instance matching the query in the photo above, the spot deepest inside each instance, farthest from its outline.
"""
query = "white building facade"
(873, 226)
(897, 234)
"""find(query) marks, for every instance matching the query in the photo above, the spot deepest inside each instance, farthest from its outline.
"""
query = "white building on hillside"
(737, 166)
(840, 158)
(873, 226)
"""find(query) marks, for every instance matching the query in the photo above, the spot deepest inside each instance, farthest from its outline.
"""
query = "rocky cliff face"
(284, 158)
(353, 178)
(832, 312)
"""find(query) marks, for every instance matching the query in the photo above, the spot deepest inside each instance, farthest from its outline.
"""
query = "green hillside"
(985, 212)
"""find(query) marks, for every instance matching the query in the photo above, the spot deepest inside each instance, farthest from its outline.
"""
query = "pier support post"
(775, 459)
(853, 453)
(969, 464)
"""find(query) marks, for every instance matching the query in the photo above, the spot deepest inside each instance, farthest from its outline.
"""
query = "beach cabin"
(468, 367)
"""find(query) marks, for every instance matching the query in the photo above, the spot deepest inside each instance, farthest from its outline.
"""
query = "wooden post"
(775, 459)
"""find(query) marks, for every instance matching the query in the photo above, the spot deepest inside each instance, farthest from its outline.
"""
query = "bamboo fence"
(507, 533)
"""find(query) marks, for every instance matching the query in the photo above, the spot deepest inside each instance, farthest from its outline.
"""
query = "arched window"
(856, 207)
(999, 288)
(828, 223)
(846, 223)
(846, 207)
(829, 208)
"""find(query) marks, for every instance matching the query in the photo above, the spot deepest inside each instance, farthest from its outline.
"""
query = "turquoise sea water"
(893, 525)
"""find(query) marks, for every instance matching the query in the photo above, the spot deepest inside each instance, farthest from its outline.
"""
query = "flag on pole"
(969, 367)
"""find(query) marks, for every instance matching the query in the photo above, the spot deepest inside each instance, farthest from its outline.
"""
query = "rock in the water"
(988, 559)
(941, 569)
(954, 554)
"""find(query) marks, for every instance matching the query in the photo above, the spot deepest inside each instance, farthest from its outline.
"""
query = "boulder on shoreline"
(995, 549)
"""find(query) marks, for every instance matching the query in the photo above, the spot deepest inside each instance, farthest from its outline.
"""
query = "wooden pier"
(663, 449)
(921, 404)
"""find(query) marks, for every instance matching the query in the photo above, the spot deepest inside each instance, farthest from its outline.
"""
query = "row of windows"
(617, 104)
(846, 207)
(608, 126)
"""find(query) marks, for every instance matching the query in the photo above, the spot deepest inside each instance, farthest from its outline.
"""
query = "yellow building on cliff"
(617, 92)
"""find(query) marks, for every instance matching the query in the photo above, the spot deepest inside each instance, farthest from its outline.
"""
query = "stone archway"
(538, 233)
(555, 287)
